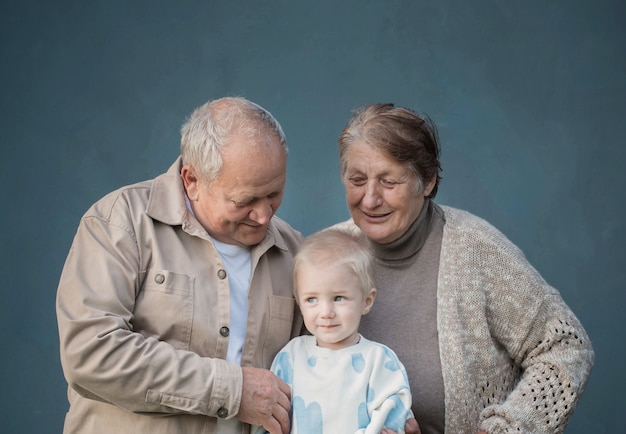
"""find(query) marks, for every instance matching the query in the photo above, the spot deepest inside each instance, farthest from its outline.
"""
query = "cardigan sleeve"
(555, 358)
(533, 356)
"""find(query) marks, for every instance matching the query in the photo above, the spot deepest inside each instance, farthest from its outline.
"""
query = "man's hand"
(265, 401)
(410, 427)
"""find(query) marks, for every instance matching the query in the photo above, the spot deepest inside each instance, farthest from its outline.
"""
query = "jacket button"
(222, 413)
(221, 274)
(224, 331)
(159, 278)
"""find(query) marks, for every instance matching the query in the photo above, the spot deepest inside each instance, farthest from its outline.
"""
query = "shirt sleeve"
(390, 403)
(282, 366)
(104, 359)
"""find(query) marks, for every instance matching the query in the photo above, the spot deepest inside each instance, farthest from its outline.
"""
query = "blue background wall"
(529, 97)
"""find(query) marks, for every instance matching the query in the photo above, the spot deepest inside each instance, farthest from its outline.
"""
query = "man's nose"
(262, 212)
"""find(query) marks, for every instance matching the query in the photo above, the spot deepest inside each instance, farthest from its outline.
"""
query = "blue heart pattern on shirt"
(308, 418)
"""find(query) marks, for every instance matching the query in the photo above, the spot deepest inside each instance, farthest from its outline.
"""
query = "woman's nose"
(372, 197)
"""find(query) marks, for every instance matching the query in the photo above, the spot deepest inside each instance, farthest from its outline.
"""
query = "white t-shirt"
(237, 263)
(238, 267)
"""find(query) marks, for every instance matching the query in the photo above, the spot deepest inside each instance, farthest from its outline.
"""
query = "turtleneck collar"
(412, 240)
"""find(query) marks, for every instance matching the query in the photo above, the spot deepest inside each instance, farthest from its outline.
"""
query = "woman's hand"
(410, 427)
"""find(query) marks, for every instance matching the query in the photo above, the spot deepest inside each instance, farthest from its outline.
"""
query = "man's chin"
(252, 238)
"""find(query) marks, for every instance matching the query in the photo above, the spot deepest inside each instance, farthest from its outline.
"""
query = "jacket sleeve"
(544, 339)
(104, 359)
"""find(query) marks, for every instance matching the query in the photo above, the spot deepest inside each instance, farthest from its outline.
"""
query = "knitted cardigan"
(514, 357)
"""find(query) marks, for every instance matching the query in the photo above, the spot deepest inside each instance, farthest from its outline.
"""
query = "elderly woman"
(488, 345)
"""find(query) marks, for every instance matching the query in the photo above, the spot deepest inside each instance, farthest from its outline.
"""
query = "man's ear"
(369, 300)
(190, 181)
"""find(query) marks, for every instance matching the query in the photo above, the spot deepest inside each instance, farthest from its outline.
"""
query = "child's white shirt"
(358, 389)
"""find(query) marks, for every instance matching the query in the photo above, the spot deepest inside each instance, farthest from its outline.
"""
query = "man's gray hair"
(206, 132)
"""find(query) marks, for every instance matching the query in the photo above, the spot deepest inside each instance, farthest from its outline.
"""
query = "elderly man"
(177, 290)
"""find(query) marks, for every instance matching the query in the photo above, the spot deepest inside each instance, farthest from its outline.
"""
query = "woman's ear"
(428, 186)
(369, 300)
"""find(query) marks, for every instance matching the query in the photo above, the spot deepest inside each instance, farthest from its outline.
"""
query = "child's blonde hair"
(337, 246)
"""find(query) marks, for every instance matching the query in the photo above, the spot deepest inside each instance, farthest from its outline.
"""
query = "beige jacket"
(143, 314)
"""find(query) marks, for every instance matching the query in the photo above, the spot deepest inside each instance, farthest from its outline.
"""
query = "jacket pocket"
(281, 322)
(164, 307)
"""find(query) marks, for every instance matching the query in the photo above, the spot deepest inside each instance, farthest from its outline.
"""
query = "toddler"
(340, 381)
